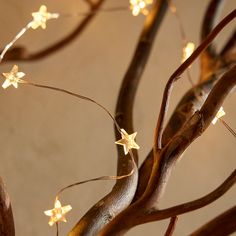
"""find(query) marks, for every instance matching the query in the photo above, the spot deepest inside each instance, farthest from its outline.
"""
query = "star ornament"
(41, 17)
(127, 141)
(139, 6)
(219, 114)
(187, 51)
(13, 78)
(57, 213)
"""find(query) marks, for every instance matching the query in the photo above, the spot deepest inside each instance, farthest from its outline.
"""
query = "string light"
(139, 6)
(41, 17)
(13, 77)
(127, 141)
(187, 51)
(187, 48)
(57, 213)
(219, 114)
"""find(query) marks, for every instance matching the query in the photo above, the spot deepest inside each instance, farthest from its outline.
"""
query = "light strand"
(9, 45)
(39, 20)
(228, 127)
(58, 212)
(188, 47)
(78, 96)
(107, 177)
(14, 77)
(102, 10)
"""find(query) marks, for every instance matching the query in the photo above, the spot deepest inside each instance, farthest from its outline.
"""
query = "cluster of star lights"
(127, 140)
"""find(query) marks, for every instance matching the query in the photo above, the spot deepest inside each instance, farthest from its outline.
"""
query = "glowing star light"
(41, 17)
(187, 51)
(139, 6)
(13, 78)
(127, 141)
(219, 114)
(57, 213)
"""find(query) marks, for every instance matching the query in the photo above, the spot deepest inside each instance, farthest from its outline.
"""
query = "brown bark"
(6, 217)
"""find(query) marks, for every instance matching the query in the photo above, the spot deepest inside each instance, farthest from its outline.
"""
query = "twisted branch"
(223, 224)
(123, 191)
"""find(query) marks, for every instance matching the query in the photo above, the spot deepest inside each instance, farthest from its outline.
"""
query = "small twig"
(176, 75)
(209, 22)
(193, 205)
(125, 221)
(171, 226)
(224, 224)
(209, 58)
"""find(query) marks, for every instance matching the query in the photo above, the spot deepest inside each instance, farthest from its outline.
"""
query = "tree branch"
(19, 53)
(6, 217)
(223, 224)
(192, 205)
(188, 105)
(229, 46)
(209, 56)
(146, 216)
(140, 210)
(175, 76)
(171, 226)
(123, 191)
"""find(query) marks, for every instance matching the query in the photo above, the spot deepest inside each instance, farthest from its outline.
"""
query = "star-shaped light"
(127, 141)
(57, 213)
(13, 77)
(187, 51)
(140, 6)
(41, 17)
(219, 114)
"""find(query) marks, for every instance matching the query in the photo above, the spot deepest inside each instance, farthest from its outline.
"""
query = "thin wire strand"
(104, 10)
(228, 127)
(19, 35)
(109, 177)
(173, 9)
(78, 96)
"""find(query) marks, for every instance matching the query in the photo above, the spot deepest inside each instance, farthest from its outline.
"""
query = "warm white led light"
(219, 114)
(127, 141)
(57, 213)
(13, 78)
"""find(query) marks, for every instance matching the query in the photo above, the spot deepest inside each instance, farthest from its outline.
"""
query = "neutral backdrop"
(49, 140)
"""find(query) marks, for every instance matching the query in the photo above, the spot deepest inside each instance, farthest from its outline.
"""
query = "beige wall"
(49, 140)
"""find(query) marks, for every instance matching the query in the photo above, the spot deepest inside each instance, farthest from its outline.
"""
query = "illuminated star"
(187, 51)
(57, 213)
(41, 17)
(219, 114)
(127, 141)
(139, 6)
(13, 78)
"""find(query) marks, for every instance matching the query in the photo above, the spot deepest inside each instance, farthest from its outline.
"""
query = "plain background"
(49, 140)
